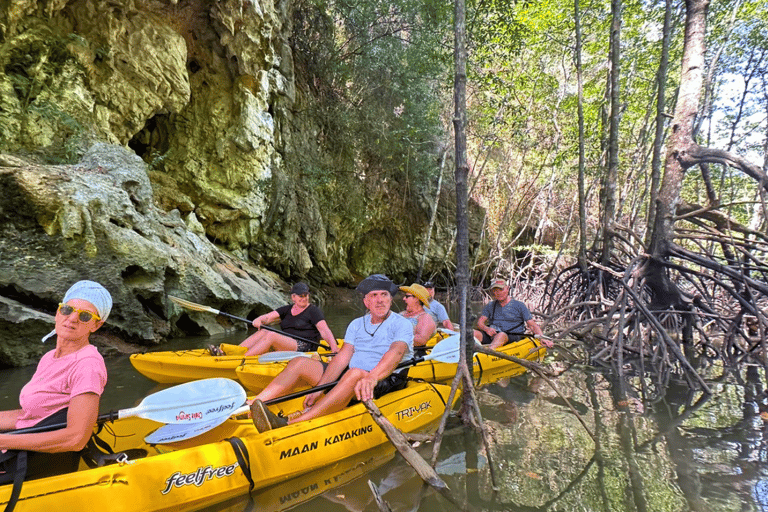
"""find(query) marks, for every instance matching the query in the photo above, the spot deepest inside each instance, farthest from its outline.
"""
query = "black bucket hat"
(377, 282)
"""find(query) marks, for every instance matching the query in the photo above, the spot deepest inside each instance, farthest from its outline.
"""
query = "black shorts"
(510, 335)
(305, 346)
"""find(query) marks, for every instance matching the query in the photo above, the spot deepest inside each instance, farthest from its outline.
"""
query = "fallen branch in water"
(398, 440)
(380, 502)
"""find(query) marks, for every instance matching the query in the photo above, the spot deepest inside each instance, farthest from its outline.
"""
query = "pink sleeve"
(89, 376)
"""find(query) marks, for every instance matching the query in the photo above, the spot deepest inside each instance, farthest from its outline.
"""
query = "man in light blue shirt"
(437, 310)
(374, 345)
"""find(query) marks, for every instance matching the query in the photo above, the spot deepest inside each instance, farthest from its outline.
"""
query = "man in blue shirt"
(504, 319)
(437, 310)
(374, 345)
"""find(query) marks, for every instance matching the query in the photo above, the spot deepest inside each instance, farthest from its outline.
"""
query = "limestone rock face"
(168, 147)
(96, 220)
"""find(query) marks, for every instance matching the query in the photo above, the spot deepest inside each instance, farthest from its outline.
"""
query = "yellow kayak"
(291, 493)
(527, 348)
(254, 377)
(206, 469)
(178, 366)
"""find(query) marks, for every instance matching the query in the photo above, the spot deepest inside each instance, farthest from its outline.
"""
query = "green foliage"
(380, 70)
(523, 110)
(33, 67)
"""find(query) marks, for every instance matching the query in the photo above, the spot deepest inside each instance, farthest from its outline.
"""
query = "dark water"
(685, 452)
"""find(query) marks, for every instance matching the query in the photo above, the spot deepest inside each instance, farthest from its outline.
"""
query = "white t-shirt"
(371, 341)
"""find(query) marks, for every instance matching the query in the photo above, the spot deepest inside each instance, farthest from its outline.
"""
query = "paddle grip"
(329, 385)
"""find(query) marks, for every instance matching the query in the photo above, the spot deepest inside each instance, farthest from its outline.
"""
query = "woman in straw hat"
(416, 299)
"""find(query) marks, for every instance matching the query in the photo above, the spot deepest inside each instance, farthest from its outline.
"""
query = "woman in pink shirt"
(66, 386)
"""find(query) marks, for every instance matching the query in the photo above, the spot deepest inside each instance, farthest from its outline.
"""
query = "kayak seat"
(233, 350)
(17, 466)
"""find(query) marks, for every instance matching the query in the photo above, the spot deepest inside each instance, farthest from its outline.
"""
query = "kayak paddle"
(446, 351)
(174, 432)
(281, 355)
(207, 309)
(192, 402)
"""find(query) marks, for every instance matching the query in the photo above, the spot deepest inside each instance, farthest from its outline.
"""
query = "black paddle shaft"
(329, 385)
(294, 336)
(107, 416)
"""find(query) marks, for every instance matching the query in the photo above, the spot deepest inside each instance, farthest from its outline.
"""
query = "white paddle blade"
(446, 351)
(281, 355)
(175, 432)
(191, 402)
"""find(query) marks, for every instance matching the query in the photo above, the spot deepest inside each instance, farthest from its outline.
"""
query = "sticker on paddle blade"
(175, 432)
(191, 402)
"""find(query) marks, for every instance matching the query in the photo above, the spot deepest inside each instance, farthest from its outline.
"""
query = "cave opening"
(152, 140)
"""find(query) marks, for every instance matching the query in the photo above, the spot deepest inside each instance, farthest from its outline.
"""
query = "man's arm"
(536, 330)
(534, 327)
(387, 364)
(482, 326)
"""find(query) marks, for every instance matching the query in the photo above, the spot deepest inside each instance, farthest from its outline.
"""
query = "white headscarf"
(92, 292)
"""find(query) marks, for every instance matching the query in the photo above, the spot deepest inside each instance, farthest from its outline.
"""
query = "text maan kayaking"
(308, 447)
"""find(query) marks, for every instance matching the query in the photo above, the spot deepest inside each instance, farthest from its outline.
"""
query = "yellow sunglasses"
(84, 316)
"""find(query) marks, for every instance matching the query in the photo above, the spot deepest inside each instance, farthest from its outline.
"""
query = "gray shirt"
(437, 312)
(510, 318)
